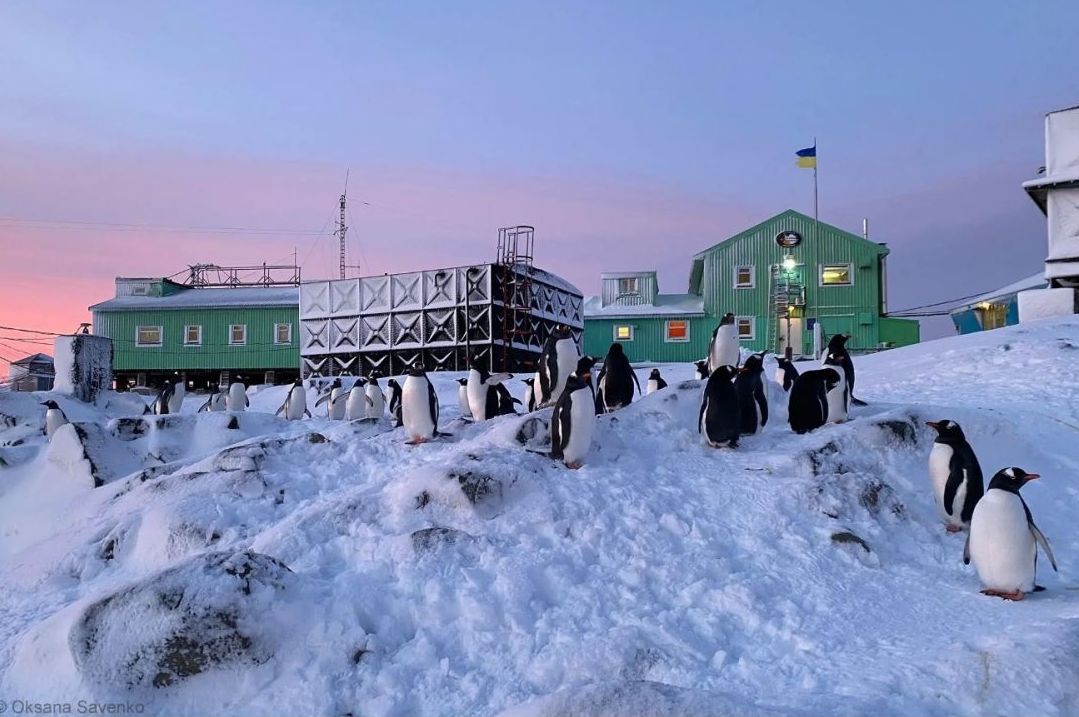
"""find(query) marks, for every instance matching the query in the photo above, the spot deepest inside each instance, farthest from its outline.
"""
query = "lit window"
(148, 336)
(744, 277)
(677, 330)
(282, 333)
(238, 334)
(192, 336)
(623, 332)
(835, 274)
(993, 316)
(628, 286)
(746, 326)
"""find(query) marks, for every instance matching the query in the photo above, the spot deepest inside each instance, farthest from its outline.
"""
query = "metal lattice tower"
(515, 254)
(341, 231)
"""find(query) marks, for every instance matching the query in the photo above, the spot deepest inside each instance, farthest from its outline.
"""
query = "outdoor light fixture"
(789, 263)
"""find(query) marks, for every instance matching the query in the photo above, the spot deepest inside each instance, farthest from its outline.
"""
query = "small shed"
(994, 309)
(33, 373)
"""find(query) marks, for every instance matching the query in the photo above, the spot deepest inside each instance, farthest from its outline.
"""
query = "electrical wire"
(25, 223)
(938, 303)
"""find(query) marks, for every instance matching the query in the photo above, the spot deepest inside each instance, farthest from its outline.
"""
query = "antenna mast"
(342, 229)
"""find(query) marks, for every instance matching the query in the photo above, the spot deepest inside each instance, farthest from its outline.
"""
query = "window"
(677, 330)
(282, 333)
(138, 290)
(148, 336)
(628, 286)
(835, 275)
(238, 334)
(192, 336)
(992, 316)
(744, 277)
(746, 327)
(623, 332)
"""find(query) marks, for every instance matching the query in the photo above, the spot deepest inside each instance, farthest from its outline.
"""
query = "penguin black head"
(528, 381)
(783, 361)
(947, 431)
(838, 343)
(336, 383)
(392, 383)
(702, 368)
(1012, 479)
(584, 366)
(372, 379)
(753, 364)
(831, 378)
(49, 404)
(480, 363)
(560, 332)
(615, 350)
(298, 382)
(728, 318)
(654, 375)
(725, 373)
(417, 371)
(462, 381)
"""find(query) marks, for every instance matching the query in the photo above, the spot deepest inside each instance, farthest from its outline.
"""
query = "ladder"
(786, 292)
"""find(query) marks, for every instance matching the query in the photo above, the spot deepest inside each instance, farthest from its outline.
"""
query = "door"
(790, 334)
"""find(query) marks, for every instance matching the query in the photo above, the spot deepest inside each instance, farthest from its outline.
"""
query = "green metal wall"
(215, 353)
(840, 309)
(648, 344)
(900, 332)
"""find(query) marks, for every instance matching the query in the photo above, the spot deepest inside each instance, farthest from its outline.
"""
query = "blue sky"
(631, 134)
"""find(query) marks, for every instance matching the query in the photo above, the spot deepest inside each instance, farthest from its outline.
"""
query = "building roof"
(35, 358)
(880, 248)
(1035, 281)
(206, 299)
(665, 305)
(1038, 189)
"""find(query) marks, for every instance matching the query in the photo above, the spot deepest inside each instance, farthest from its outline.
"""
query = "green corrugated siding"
(900, 332)
(649, 333)
(854, 309)
(215, 353)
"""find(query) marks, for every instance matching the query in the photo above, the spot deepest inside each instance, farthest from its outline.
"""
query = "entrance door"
(794, 327)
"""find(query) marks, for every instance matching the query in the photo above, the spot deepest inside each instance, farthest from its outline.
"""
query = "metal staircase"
(787, 292)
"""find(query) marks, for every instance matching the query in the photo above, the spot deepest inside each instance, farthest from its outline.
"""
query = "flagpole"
(816, 162)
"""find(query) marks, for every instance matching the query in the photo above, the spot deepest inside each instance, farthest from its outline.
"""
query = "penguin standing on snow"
(176, 400)
(655, 382)
(556, 363)
(356, 403)
(574, 420)
(462, 397)
(723, 348)
(419, 406)
(614, 387)
(720, 420)
(956, 475)
(530, 393)
(395, 402)
(335, 406)
(702, 369)
(807, 407)
(295, 406)
(162, 403)
(54, 417)
(786, 373)
(838, 395)
(375, 400)
(839, 356)
(237, 399)
(482, 389)
(506, 401)
(1003, 539)
(214, 402)
(752, 403)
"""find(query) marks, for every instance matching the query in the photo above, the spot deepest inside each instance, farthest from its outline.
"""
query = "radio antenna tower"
(342, 228)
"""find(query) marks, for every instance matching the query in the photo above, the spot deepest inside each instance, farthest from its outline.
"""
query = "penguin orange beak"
(1032, 476)
(933, 424)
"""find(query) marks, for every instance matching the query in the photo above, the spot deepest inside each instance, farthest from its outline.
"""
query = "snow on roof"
(207, 298)
(1035, 281)
(555, 280)
(35, 358)
(665, 305)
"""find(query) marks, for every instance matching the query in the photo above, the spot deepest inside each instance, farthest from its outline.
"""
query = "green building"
(789, 281)
(162, 330)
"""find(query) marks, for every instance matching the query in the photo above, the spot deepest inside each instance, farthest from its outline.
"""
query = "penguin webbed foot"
(953, 528)
(1012, 596)
(857, 401)
(574, 465)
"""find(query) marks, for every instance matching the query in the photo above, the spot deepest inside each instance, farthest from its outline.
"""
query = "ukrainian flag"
(807, 157)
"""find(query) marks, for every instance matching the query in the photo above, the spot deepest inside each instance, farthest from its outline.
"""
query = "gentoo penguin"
(419, 406)
(295, 406)
(573, 421)
(163, 402)
(752, 403)
(1003, 539)
(530, 393)
(838, 395)
(237, 399)
(837, 350)
(655, 382)
(807, 407)
(723, 348)
(376, 401)
(956, 475)
(483, 397)
(54, 417)
(395, 401)
(356, 403)
(720, 420)
(556, 363)
(334, 400)
(506, 401)
(215, 401)
(786, 373)
(462, 397)
(702, 369)
(614, 387)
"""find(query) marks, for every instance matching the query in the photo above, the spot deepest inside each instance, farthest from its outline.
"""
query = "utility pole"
(342, 229)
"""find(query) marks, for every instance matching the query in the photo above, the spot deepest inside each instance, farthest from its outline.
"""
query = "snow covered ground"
(326, 568)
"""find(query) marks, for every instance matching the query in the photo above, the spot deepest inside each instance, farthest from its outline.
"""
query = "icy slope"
(327, 568)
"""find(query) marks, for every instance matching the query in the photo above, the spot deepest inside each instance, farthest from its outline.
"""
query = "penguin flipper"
(966, 550)
(857, 402)
(307, 413)
(956, 476)
(1040, 538)
(762, 402)
(282, 409)
(634, 375)
(432, 400)
(661, 384)
(322, 400)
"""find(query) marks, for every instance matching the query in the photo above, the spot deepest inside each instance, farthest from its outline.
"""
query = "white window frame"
(667, 332)
(822, 267)
(160, 336)
(635, 291)
(229, 337)
(752, 327)
(276, 335)
(188, 329)
(752, 276)
(614, 332)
